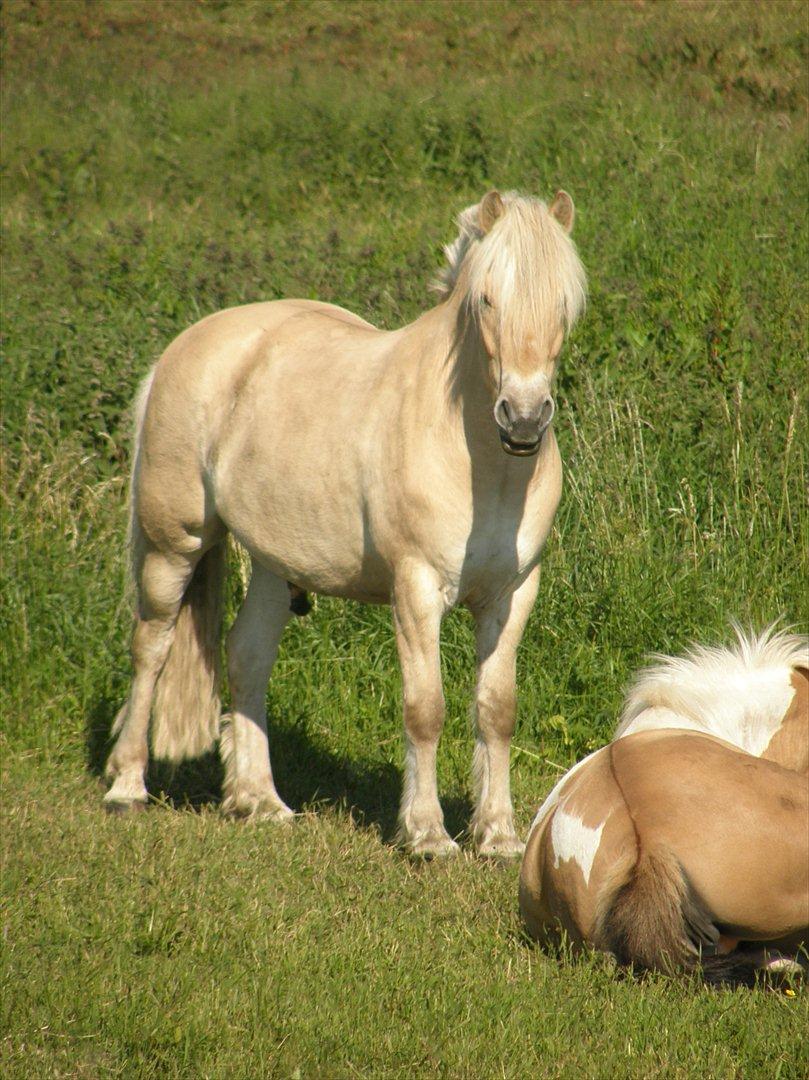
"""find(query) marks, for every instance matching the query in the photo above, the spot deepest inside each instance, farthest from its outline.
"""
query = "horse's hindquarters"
(576, 853)
(737, 825)
(681, 832)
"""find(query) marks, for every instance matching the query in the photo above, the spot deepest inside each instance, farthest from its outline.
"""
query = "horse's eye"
(485, 301)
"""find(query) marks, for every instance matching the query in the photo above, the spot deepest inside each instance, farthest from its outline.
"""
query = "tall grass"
(164, 160)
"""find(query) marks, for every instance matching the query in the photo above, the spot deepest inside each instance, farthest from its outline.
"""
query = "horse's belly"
(316, 541)
(331, 572)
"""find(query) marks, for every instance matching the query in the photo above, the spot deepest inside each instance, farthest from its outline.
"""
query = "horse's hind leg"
(162, 581)
(500, 627)
(249, 788)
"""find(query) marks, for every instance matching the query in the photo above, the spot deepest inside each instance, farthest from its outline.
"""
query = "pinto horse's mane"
(736, 692)
(527, 257)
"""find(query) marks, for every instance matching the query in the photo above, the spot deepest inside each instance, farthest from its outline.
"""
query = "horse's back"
(216, 347)
(268, 314)
(667, 775)
(212, 355)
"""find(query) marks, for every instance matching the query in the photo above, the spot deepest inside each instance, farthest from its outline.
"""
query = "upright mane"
(527, 256)
(736, 693)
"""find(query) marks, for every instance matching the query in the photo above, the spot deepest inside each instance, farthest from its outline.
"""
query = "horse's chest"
(490, 548)
(499, 550)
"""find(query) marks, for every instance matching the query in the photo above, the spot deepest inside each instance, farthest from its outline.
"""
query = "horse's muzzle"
(519, 449)
(521, 433)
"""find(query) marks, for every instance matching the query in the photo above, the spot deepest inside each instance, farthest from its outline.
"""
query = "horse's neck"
(454, 369)
(443, 371)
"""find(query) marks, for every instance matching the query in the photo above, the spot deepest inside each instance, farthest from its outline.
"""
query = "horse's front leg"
(500, 627)
(418, 607)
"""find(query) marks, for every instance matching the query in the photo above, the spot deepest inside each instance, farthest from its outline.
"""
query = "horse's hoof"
(120, 807)
(500, 846)
(431, 846)
(248, 807)
(277, 815)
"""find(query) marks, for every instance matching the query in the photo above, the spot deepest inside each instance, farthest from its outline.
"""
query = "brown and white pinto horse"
(686, 839)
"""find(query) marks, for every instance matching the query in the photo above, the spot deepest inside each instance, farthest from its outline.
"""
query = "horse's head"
(523, 288)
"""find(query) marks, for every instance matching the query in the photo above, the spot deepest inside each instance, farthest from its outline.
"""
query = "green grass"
(164, 160)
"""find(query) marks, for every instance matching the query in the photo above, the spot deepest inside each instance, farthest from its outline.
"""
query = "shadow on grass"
(307, 774)
(192, 785)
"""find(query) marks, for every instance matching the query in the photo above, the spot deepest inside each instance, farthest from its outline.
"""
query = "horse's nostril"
(546, 412)
(503, 414)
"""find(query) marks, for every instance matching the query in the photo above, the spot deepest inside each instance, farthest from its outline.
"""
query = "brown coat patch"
(789, 746)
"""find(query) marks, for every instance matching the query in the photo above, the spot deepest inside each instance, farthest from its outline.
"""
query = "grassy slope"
(164, 160)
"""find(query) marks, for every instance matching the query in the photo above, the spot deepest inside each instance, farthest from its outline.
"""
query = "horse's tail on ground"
(186, 706)
(652, 920)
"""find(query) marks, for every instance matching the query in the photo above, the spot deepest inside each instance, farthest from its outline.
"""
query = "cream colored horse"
(416, 467)
(687, 837)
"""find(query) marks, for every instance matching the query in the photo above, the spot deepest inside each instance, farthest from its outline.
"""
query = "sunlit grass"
(165, 160)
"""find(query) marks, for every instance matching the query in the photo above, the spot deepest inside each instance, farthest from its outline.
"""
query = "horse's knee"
(424, 718)
(496, 714)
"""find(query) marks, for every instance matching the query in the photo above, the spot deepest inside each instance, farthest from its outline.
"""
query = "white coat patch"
(572, 839)
(553, 797)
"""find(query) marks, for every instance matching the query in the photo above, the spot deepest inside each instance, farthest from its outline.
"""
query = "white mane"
(739, 694)
(527, 257)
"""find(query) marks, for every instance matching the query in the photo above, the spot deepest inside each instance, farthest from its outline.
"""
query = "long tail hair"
(651, 918)
(186, 709)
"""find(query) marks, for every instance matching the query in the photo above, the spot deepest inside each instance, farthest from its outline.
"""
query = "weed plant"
(164, 160)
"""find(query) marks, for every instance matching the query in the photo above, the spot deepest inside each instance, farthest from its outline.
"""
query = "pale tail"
(186, 710)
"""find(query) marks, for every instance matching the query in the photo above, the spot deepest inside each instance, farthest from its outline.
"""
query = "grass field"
(163, 160)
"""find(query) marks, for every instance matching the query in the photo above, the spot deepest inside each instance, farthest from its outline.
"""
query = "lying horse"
(416, 467)
(688, 835)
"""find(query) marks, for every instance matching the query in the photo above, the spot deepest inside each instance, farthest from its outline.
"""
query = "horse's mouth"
(519, 449)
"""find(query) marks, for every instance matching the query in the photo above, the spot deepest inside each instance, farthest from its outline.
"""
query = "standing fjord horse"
(689, 833)
(416, 467)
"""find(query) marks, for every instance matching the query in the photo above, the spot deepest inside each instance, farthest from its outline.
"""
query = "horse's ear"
(490, 209)
(562, 209)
